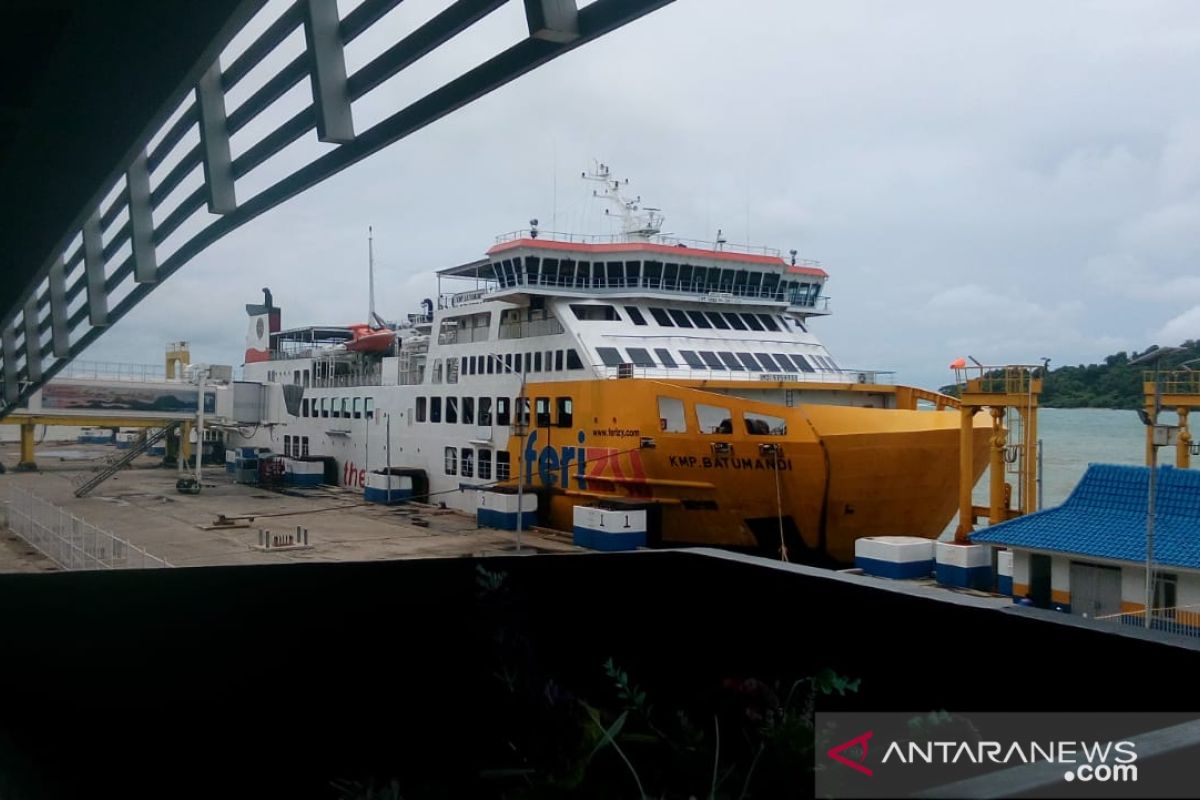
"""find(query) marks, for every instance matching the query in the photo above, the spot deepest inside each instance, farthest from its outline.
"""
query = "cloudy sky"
(1003, 180)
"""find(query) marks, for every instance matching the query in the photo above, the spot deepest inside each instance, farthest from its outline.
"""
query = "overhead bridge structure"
(79, 253)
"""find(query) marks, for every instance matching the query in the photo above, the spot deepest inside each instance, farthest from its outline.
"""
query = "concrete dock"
(141, 505)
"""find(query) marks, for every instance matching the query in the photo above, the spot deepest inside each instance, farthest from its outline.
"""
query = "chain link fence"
(71, 542)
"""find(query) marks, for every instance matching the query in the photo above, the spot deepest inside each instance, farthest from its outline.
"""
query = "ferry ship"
(631, 370)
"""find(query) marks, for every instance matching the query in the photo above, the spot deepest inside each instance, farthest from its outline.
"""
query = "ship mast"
(635, 226)
(371, 274)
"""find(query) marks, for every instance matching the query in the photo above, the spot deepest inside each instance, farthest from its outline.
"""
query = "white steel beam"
(93, 265)
(214, 141)
(335, 123)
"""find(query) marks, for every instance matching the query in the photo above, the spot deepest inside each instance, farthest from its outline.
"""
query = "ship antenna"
(371, 273)
(637, 226)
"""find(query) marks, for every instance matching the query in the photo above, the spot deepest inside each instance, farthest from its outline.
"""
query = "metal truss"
(115, 258)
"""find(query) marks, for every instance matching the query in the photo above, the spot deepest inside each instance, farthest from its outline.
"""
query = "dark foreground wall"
(276, 680)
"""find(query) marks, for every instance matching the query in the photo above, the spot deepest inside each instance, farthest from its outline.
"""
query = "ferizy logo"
(601, 465)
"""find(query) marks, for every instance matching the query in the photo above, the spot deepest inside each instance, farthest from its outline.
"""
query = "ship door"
(1095, 590)
(1039, 580)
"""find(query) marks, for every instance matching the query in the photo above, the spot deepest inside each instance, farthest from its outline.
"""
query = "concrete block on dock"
(897, 557)
(966, 566)
(1004, 572)
(500, 510)
(303, 473)
(387, 489)
(608, 529)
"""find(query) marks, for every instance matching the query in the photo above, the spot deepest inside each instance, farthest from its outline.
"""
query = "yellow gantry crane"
(998, 389)
(1177, 389)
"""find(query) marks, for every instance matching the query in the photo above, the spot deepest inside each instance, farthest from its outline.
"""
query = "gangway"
(144, 442)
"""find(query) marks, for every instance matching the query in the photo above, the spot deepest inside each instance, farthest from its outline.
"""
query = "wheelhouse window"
(661, 317)
(752, 322)
(768, 322)
(664, 357)
(635, 315)
(610, 356)
(594, 313)
(640, 356)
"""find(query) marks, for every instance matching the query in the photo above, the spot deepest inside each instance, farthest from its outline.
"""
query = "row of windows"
(338, 407)
(495, 363)
(452, 410)
(716, 360)
(689, 318)
(675, 416)
(471, 463)
(295, 446)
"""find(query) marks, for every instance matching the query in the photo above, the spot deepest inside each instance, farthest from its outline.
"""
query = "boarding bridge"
(135, 396)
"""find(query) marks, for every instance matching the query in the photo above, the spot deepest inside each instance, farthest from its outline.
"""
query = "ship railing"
(534, 327)
(868, 377)
(670, 241)
(114, 371)
(1178, 620)
(1006, 379)
(1173, 381)
(373, 378)
(69, 541)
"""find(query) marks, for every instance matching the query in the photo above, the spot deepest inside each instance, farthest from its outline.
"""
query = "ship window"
(502, 462)
(735, 321)
(770, 363)
(346, 407)
(468, 463)
(335, 407)
(358, 408)
(491, 364)
(452, 410)
(832, 364)
(660, 316)
(451, 460)
(635, 315)
(287, 445)
(306, 377)
(537, 361)
(296, 376)
(670, 276)
(528, 362)
(802, 363)
(768, 322)
(640, 356)
(304, 407)
(611, 356)
(765, 425)
(692, 359)
(485, 411)
(369, 405)
(485, 464)
(633, 271)
(558, 360)
(594, 313)
(521, 410)
(699, 318)
(714, 419)
(717, 320)
(670, 415)
(541, 407)
(435, 409)
(324, 407)
(679, 317)
(421, 404)
(503, 410)
(752, 321)
(749, 361)
(468, 411)
(508, 363)
(566, 411)
(437, 370)
(452, 370)
(573, 361)
(711, 360)
(665, 357)
(731, 360)
(304, 447)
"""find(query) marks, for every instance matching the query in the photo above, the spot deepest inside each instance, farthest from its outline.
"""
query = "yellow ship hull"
(826, 473)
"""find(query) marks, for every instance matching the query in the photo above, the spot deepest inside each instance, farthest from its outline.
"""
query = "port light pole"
(1155, 436)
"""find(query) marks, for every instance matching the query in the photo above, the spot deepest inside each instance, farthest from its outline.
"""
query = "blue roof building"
(1089, 554)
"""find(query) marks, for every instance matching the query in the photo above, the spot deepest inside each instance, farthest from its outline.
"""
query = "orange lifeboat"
(370, 340)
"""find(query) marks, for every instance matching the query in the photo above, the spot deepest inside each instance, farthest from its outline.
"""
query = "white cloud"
(1181, 328)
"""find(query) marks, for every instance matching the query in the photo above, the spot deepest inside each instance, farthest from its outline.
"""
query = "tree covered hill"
(1113, 384)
